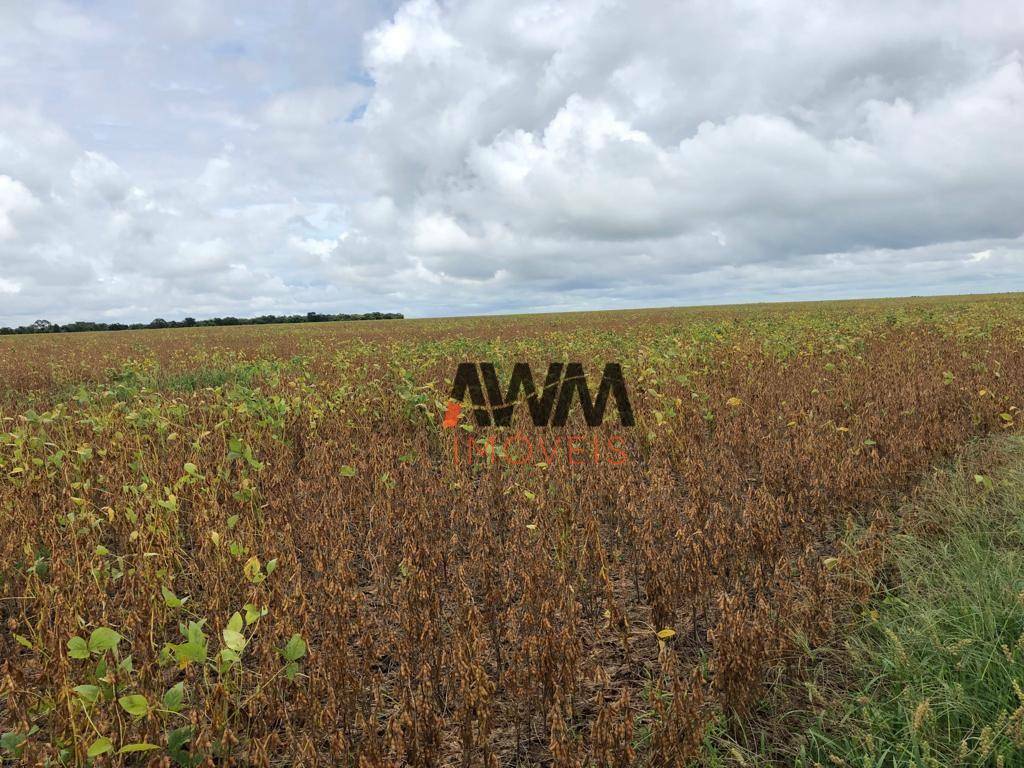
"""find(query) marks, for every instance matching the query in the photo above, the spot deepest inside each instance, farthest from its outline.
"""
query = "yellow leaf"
(215, 538)
(734, 402)
(251, 569)
(665, 634)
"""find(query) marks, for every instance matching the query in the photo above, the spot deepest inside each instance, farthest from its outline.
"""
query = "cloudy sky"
(439, 158)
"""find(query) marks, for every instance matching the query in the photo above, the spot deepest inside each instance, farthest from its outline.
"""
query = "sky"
(202, 158)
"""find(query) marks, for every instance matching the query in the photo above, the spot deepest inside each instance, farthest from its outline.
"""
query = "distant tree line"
(45, 326)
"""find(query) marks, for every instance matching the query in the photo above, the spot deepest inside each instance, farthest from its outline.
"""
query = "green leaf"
(271, 566)
(22, 640)
(233, 637)
(77, 648)
(178, 738)
(139, 746)
(291, 669)
(99, 747)
(176, 741)
(189, 652)
(103, 639)
(347, 471)
(12, 742)
(171, 600)
(194, 650)
(234, 640)
(88, 692)
(252, 613)
(195, 633)
(174, 697)
(295, 648)
(134, 704)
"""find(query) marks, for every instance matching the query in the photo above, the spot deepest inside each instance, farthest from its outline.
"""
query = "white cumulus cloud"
(458, 157)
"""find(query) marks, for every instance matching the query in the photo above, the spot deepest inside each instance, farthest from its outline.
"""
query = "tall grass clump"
(937, 666)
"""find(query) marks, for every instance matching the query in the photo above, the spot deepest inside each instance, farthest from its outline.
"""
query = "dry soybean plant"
(252, 546)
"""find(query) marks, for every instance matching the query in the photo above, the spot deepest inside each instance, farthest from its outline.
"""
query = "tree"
(45, 326)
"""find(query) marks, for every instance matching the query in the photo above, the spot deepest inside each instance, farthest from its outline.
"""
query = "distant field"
(258, 545)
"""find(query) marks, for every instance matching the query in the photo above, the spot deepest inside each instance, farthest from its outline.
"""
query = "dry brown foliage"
(423, 613)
